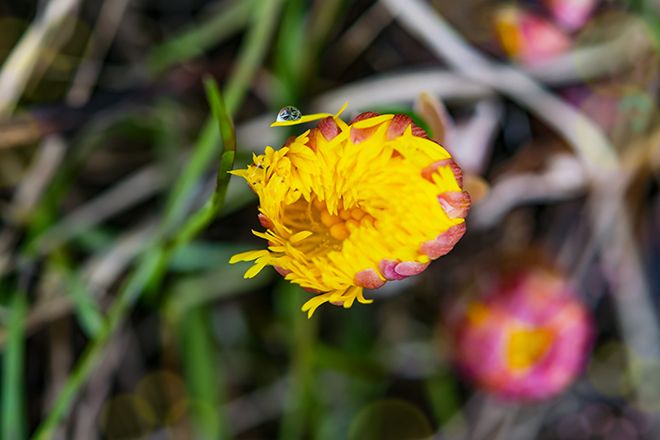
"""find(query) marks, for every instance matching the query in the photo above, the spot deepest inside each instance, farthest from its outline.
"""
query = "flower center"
(328, 230)
(526, 347)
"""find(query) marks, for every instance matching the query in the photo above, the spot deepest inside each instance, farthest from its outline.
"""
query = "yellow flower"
(351, 206)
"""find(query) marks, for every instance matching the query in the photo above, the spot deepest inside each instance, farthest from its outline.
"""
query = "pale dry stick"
(527, 422)
(258, 407)
(20, 64)
(104, 32)
(130, 191)
(474, 138)
(562, 179)
(630, 289)
(359, 36)
(59, 362)
(19, 130)
(642, 154)
(491, 420)
(45, 163)
(102, 270)
(403, 87)
(85, 419)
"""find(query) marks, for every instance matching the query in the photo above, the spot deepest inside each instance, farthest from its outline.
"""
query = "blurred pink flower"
(571, 14)
(527, 37)
(525, 339)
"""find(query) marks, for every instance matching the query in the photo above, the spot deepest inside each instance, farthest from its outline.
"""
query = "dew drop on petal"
(288, 113)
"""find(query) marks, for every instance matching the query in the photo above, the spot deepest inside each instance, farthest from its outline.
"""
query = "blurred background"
(115, 324)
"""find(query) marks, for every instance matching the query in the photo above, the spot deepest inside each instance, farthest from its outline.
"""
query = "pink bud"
(528, 37)
(571, 14)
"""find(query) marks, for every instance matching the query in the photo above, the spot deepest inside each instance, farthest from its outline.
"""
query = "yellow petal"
(254, 270)
(247, 256)
(366, 123)
(313, 304)
(300, 236)
(361, 298)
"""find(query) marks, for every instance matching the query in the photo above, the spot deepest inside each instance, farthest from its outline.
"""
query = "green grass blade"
(300, 400)
(228, 132)
(202, 375)
(253, 52)
(226, 129)
(177, 203)
(200, 219)
(13, 411)
(195, 41)
(87, 311)
(443, 394)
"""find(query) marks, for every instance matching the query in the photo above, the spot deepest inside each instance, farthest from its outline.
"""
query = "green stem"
(13, 412)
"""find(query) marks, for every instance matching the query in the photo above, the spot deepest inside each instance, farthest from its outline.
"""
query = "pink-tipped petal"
(456, 204)
(362, 116)
(328, 128)
(369, 279)
(386, 267)
(360, 134)
(282, 271)
(428, 172)
(444, 243)
(410, 268)
(265, 221)
(399, 124)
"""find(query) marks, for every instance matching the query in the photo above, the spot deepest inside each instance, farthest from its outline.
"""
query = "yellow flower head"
(352, 206)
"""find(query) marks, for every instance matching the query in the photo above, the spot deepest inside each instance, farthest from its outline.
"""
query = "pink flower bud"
(526, 338)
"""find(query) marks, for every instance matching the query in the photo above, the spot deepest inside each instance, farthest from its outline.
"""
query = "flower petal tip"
(369, 279)
(455, 203)
(410, 268)
(444, 242)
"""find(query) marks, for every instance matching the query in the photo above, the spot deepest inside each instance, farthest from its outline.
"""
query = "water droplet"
(288, 113)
